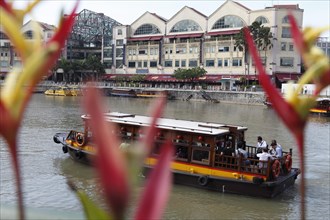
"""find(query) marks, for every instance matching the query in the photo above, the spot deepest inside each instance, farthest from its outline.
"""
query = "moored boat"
(322, 107)
(149, 93)
(123, 93)
(198, 160)
(60, 91)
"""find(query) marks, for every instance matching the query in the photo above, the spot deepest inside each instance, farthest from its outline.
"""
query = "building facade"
(8, 56)
(155, 45)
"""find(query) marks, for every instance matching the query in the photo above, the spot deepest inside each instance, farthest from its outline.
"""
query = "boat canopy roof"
(171, 124)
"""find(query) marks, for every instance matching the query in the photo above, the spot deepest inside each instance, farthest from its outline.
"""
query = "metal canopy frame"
(89, 29)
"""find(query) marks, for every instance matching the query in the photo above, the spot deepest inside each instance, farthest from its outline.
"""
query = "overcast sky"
(316, 12)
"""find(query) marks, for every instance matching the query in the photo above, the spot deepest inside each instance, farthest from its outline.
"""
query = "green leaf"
(92, 211)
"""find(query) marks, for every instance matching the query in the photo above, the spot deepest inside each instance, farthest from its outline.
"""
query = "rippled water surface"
(46, 169)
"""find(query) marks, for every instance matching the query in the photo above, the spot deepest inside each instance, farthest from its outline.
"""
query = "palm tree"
(262, 38)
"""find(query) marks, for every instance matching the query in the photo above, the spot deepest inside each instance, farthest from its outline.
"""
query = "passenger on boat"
(228, 150)
(220, 144)
(263, 158)
(242, 152)
(276, 150)
(261, 144)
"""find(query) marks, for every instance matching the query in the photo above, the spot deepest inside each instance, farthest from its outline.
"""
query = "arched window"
(228, 21)
(147, 29)
(185, 26)
(28, 34)
(119, 32)
(285, 20)
(261, 20)
(3, 36)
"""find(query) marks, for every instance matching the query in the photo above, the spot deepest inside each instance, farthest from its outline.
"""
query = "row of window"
(188, 25)
(180, 50)
(235, 62)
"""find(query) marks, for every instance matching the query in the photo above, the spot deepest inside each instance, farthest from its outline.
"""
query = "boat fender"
(55, 138)
(203, 180)
(80, 139)
(288, 163)
(276, 168)
(257, 180)
(65, 149)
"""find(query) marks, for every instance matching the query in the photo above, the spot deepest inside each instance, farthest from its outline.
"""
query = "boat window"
(181, 152)
(200, 156)
(71, 136)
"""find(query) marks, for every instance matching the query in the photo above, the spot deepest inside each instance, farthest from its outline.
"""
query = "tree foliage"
(261, 36)
(189, 74)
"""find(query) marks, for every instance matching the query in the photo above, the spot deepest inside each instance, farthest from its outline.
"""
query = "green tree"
(262, 38)
(189, 74)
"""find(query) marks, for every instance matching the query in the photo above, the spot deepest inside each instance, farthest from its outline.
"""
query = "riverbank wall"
(197, 94)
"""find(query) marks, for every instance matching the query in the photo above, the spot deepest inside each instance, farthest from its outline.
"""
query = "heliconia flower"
(37, 59)
(114, 167)
(110, 162)
(155, 196)
(294, 110)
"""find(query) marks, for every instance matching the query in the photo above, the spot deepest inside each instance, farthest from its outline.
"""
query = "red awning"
(185, 35)
(223, 32)
(138, 38)
(283, 77)
(156, 37)
(210, 78)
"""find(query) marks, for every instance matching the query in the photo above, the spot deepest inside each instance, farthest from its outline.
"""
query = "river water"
(46, 170)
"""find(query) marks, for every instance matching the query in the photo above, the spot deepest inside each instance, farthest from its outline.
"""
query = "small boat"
(123, 93)
(322, 107)
(60, 91)
(147, 93)
(198, 160)
(76, 91)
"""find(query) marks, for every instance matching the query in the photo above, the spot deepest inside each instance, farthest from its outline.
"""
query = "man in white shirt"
(263, 157)
(261, 144)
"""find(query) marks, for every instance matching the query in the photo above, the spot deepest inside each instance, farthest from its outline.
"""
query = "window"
(153, 63)
(237, 62)
(285, 20)
(145, 64)
(286, 32)
(143, 51)
(193, 50)
(4, 63)
(228, 21)
(291, 47)
(28, 35)
(192, 63)
(177, 63)
(6, 44)
(226, 62)
(261, 20)
(209, 63)
(139, 64)
(119, 42)
(146, 29)
(168, 63)
(223, 49)
(183, 63)
(201, 156)
(219, 62)
(119, 32)
(181, 50)
(283, 46)
(263, 61)
(131, 64)
(185, 26)
(286, 61)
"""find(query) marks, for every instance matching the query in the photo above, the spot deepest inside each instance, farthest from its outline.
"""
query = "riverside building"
(157, 46)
